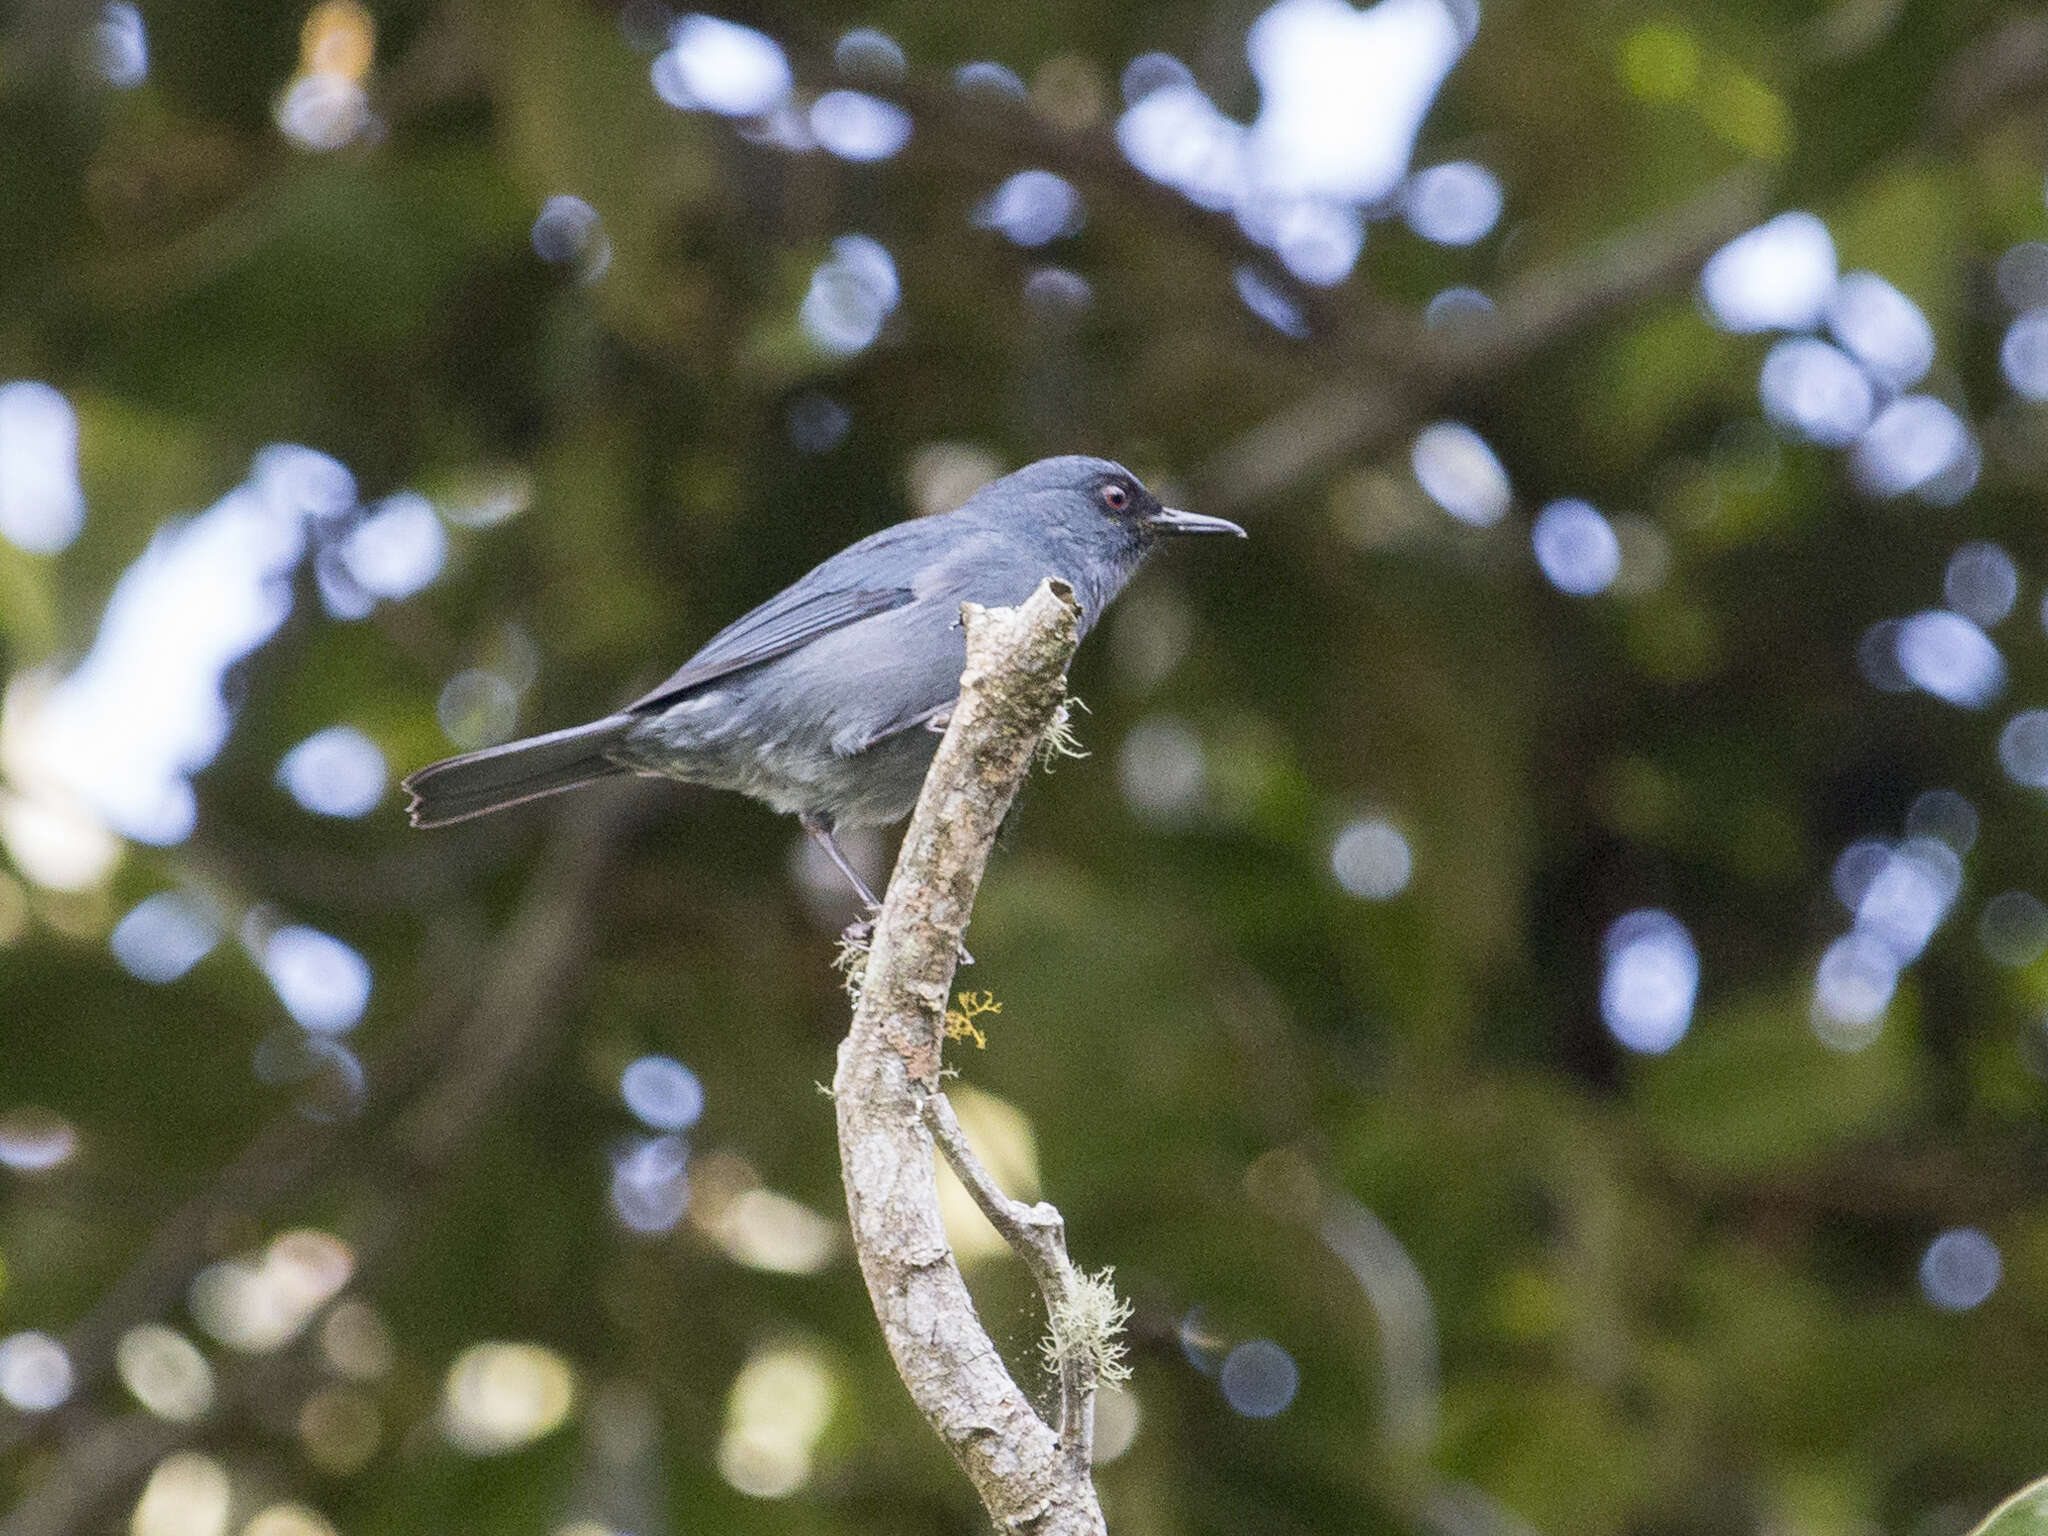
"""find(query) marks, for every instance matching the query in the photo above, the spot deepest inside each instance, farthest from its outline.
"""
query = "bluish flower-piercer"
(821, 702)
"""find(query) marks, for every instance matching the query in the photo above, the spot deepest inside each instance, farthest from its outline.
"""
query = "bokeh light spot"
(1945, 815)
(651, 1183)
(188, 1494)
(1058, 294)
(35, 1140)
(166, 1373)
(119, 52)
(477, 709)
(1813, 391)
(1650, 980)
(856, 126)
(2023, 748)
(817, 423)
(1882, 329)
(42, 505)
(1576, 548)
(2022, 275)
(1457, 308)
(568, 232)
(1117, 1419)
(867, 54)
(1960, 1269)
(1263, 298)
(1343, 92)
(1460, 473)
(335, 772)
(323, 111)
(664, 1093)
(997, 82)
(1778, 276)
(1909, 896)
(1910, 445)
(356, 1343)
(288, 1520)
(258, 1303)
(720, 66)
(1454, 204)
(398, 549)
(1981, 583)
(2024, 355)
(35, 1372)
(339, 1428)
(1946, 655)
(1032, 208)
(768, 1231)
(500, 1396)
(1852, 987)
(165, 935)
(1259, 1378)
(851, 294)
(2013, 928)
(1162, 769)
(1660, 61)
(779, 1405)
(322, 982)
(1371, 860)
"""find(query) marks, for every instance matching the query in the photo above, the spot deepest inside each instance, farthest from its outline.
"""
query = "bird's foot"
(861, 934)
(937, 721)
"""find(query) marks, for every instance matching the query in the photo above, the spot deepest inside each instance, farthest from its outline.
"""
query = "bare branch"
(1029, 1479)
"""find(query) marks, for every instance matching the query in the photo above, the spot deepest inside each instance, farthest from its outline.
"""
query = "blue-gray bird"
(827, 699)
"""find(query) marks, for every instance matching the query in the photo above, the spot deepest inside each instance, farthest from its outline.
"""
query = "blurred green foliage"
(1674, 1294)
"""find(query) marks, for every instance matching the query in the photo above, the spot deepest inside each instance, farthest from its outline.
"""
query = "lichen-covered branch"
(1083, 1315)
(1029, 1479)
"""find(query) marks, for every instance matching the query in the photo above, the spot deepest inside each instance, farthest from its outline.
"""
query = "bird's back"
(836, 725)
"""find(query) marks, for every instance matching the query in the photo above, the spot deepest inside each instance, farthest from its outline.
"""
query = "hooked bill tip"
(1173, 520)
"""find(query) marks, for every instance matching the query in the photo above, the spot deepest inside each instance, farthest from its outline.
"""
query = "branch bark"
(1030, 1479)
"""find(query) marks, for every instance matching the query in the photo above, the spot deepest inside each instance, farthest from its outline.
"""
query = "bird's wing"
(932, 719)
(784, 623)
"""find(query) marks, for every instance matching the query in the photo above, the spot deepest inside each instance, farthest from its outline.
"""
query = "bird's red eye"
(1115, 497)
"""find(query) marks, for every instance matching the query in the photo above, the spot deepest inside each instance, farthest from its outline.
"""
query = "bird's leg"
(820, 830)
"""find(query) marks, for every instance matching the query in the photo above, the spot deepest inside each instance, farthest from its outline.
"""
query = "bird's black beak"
(1169, 520)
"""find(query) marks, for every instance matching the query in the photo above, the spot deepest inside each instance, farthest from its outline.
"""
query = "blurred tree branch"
(1361, 414)
(1031, 1477)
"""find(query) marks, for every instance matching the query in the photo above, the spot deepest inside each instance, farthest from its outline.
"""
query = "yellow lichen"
(960, 1018)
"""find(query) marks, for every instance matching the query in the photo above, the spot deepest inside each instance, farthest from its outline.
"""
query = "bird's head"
(1096, 501)
(1090, 521)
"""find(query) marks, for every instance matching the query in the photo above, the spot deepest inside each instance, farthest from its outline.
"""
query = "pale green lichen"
(1060, 738)
(850, 960)
(1088, 1326)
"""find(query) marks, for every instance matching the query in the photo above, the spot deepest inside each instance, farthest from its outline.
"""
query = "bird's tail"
(497, 777)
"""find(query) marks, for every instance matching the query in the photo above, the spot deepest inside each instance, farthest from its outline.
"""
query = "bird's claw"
(863, 932)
